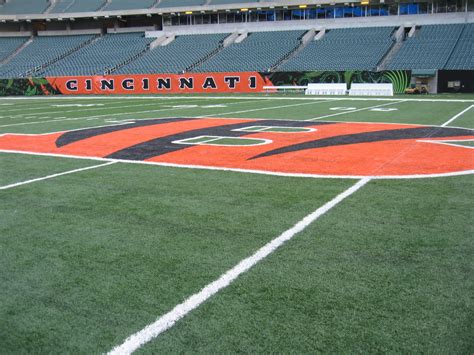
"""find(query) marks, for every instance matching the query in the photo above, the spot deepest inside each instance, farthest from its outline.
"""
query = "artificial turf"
(90, 258)
(388, 270)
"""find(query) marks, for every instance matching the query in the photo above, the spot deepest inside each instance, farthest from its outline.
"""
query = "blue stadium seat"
(102, 54)
(430, 48)
(175, 57)
(344, 49)
(258, 52)
(40, 52)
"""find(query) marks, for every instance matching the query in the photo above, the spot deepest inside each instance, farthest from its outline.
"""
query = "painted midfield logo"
(267, 146)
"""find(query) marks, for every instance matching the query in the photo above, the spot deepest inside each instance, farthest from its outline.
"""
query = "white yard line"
(262, 109)
(166, 321)
(361, 109)
(456, 116)
(6, 187)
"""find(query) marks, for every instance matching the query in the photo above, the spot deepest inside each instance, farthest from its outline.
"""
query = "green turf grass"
(388, 270)
(88, 258)
(19, 167)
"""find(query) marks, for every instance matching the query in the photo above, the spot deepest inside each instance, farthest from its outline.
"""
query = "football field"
(248, 223)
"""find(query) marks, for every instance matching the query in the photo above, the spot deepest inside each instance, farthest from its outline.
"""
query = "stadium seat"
(343, 49)
(17, 7)
(177, 56)
(104, 53)
(85, 5)
(8, 45)
(430, 48)
(41, 51)
(462, 57)
(128, 5)
(258, 52)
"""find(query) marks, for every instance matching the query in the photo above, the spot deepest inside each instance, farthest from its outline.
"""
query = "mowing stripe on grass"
(361, 109)
(166, 321)
(54, 175)
(456, 116)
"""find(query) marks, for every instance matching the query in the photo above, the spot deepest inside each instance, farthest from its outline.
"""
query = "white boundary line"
(167, 320)
(247, 171)
(70, 97)
(446, 142)
(358, 110)
(456, 116)
(6, 187)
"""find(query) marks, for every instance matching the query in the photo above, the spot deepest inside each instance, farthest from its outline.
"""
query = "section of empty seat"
(180, 3)
(343, 49)
(24, 7)
(128, 5)
(85, 5)
(100, 55)
(175, 57)
(430, 48)
(462, 56)
(39, 52)
(258, 52)
(8, 45)
(61, 6)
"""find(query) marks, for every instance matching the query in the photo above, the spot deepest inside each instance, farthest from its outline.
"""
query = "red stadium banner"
(189, 83)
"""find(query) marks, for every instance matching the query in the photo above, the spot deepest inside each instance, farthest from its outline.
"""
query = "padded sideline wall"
(248, 82)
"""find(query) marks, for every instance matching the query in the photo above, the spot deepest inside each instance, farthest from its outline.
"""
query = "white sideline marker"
(456, 116)
(6, 187)
(166, 321)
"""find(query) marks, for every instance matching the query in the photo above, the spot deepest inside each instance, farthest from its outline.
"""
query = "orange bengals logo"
(269, 146)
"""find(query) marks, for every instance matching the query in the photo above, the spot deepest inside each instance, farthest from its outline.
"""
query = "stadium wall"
(191, 83)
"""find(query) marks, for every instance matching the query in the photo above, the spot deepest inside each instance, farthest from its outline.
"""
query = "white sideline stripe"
(361, 109)
(6, 187)
(88, 97)
(456, 116)
(246, 171)
(262, 109)
(451, 143)
(166, 321)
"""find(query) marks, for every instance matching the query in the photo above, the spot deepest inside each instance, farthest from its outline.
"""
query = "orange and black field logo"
(267, 146)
